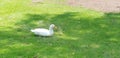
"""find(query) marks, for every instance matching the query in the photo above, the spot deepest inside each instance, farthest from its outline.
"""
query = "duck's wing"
(40, 30)
(43, 32)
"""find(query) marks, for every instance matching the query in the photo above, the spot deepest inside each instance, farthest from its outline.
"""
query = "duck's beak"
(55, 27)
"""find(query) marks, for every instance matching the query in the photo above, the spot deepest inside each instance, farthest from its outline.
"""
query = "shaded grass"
(81, 33)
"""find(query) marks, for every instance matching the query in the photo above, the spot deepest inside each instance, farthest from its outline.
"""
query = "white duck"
(44, 32)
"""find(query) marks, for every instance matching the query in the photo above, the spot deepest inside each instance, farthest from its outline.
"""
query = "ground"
(98, 5)
(81, 32)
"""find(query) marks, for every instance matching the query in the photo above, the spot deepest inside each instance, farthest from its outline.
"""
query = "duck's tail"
(32, 30)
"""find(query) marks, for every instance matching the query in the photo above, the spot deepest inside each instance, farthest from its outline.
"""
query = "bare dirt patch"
(98, 5)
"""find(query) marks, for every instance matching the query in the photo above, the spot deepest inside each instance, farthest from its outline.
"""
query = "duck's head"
(53, 26)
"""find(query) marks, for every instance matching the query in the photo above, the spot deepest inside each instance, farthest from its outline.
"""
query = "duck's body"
(44, 32)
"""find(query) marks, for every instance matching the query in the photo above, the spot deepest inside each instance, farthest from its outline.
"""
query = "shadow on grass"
(75, 37)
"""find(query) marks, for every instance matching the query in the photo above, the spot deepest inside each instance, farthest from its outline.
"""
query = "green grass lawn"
(81, 33)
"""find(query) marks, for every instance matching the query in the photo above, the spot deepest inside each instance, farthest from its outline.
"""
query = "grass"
(81, 33)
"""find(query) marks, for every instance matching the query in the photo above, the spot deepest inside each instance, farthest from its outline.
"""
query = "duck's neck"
(51, 30)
